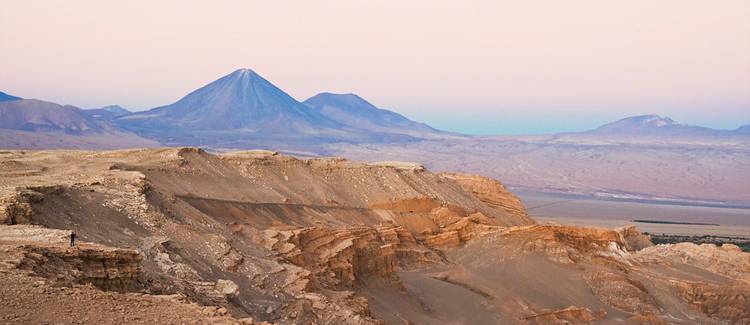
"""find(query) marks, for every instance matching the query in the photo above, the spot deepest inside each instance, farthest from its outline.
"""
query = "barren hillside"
(253, 234)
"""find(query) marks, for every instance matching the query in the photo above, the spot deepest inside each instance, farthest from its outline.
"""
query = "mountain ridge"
(8, 97)
(353, 110)
(243, 109)
(39, 115)
(38, 124)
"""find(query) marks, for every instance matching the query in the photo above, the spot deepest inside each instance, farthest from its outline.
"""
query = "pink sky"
(471, 66)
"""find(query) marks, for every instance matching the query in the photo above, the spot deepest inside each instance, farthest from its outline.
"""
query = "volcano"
(243, 109)
(354, 111)
(242, 100)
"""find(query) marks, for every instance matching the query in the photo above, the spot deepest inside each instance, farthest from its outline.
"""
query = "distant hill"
(37, 124)
(37, 115)
(107, 112)
(637, 124)
(644, 126)
(649, 124)
(745, 129)
(354, 111)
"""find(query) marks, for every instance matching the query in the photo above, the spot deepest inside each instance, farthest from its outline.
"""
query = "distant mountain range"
(37, 124)
(36, 115)
(242, 100)
(645, 157)
(244, 110)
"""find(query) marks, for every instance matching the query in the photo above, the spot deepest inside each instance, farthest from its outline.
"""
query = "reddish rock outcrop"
(342, 258)
(106, 268)
(492, 193)
(723, 302)
(620, 291)
(634, 239)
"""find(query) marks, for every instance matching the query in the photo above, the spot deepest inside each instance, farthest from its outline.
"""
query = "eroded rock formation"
(492, 193)
(256, 236)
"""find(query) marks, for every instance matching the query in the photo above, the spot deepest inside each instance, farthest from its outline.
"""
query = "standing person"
(72, 238)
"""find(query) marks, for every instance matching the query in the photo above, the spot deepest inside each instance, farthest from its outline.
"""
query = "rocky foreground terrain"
(184, 236)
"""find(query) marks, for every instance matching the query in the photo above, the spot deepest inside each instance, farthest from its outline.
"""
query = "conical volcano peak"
(243, 76)
(244, 73)
(239, 100)
(244, 105)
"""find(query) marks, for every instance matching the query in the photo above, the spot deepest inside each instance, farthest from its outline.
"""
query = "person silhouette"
(72, 238)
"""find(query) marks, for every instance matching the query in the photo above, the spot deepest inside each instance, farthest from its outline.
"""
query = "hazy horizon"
(470, 67)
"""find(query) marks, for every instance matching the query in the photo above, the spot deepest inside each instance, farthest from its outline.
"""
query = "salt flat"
(613, 214)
